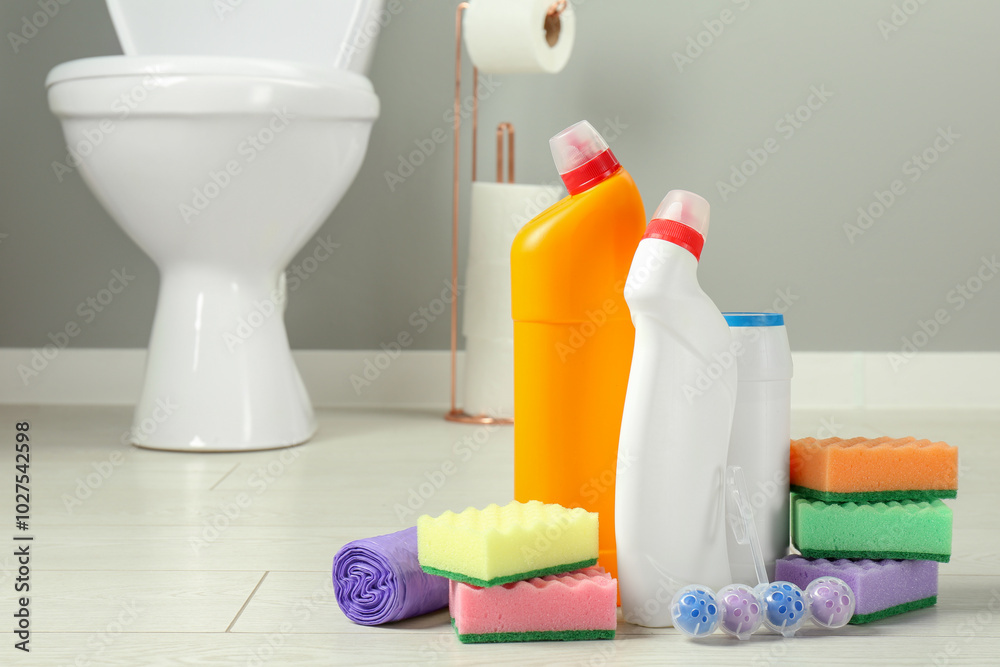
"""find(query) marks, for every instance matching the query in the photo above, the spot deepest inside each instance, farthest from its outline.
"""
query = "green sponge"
(858, 619)
(874, 496)
(509, 578)
(907, 530)
(533, 636)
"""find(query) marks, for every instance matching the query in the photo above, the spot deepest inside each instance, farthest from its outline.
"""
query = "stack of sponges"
(860, 506)
(522, 572)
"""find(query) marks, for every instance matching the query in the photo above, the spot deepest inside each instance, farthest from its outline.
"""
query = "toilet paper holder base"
(462, 417)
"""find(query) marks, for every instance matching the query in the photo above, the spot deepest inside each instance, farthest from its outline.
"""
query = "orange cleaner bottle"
(573, 335)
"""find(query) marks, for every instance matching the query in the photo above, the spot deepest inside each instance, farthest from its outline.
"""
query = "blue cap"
(754, 319)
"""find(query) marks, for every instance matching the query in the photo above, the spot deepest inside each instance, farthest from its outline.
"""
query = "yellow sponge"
(498, 545)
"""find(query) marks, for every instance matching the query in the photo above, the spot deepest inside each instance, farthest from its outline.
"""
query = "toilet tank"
(338, 33)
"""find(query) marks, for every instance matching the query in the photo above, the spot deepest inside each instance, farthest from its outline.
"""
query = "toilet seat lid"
(324, 32)
(111, 66)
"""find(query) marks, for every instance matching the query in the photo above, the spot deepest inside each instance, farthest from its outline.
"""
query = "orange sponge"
(873, 470)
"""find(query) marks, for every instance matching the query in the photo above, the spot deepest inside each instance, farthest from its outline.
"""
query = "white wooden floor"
(224, 559)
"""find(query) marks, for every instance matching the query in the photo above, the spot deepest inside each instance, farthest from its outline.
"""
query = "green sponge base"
(892, 611)
(873, 496)
(506, 579)
(831, 554)
(549, 635)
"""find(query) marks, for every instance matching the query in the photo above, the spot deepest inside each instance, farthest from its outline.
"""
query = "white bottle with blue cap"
(669, 505)
(759, 442)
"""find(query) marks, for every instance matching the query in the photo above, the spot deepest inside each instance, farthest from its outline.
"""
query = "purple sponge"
(881, 588)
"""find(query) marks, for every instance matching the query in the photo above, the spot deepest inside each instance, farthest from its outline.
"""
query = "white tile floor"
(223, 559)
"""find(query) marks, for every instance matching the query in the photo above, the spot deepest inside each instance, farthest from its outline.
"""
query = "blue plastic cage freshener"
(695, 611)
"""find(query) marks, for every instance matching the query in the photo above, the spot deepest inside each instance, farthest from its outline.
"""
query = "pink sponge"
(572, 605)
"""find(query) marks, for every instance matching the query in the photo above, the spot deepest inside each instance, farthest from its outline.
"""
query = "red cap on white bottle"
(682, 219)
(686, 208)
(582, 157)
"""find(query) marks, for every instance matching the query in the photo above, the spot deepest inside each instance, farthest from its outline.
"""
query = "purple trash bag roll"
(378, 580)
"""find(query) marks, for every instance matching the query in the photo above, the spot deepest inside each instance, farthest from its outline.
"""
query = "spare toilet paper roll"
(507, 36)
(378, 580)
(489, 377)
(487, 301)
(499, 210)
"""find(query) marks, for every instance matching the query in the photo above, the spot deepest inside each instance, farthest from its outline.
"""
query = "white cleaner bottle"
(669, 500)
(761, 433)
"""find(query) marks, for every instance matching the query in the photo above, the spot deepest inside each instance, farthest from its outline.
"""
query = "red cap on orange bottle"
(582, 157)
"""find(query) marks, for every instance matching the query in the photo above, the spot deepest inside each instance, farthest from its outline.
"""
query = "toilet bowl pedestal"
(219, 340)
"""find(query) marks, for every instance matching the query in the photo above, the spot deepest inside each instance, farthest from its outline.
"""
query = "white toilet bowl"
(221, 169)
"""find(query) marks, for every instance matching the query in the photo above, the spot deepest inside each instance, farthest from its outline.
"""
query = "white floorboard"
(143, 558)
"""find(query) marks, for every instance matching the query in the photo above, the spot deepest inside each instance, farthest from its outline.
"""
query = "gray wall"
(782, 231)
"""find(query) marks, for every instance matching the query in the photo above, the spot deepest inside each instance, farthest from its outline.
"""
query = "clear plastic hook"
(743, 525)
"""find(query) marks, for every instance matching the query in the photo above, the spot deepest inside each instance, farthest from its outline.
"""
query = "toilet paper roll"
(489, 377)
(499, 210)
(487, 301)
(507, 36)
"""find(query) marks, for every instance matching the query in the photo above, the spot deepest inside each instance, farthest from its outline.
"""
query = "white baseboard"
(875, 380)
(881, 380)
